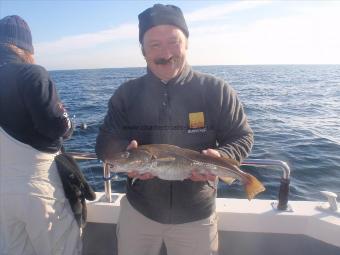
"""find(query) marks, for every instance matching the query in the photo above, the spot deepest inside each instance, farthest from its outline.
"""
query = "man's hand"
(135, 174)
(132, 145)
(212, 153)
(205, 177)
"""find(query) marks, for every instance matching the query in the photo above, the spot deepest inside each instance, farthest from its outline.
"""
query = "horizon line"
(208, 65)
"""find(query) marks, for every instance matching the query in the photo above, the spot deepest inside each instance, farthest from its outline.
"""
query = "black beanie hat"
(160, 14)
(14, 30)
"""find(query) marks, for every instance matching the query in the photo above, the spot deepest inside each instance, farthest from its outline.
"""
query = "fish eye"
(125, 154)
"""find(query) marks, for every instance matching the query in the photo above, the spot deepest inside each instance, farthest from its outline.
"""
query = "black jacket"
(195, 111)
(75, 186)
(30, 109)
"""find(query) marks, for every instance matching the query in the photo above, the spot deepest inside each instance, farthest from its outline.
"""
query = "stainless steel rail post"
(282, 204)
(107, 182)
(106, 173)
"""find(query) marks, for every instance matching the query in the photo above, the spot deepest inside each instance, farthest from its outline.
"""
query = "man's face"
(164, 49)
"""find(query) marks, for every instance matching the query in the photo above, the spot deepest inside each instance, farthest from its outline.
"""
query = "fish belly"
(171, 174)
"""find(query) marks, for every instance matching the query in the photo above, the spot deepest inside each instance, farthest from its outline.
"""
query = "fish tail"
(252, 186)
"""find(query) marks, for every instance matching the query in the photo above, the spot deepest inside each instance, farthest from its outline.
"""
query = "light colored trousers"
(35, 216)
(138, 235)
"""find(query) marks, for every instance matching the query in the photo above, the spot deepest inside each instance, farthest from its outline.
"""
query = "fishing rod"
(82, 155)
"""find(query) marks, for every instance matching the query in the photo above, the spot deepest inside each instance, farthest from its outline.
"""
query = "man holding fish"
(171, 190)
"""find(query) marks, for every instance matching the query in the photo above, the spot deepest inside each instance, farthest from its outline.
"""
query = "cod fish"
(169, 162)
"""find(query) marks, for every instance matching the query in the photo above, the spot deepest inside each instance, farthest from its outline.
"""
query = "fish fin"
(227, 180)
(165, 159)
(232, 161)
(252, 186)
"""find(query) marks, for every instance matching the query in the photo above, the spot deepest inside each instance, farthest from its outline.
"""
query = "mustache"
(164, 61)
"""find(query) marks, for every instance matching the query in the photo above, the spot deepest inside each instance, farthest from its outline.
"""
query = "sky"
(104, 34)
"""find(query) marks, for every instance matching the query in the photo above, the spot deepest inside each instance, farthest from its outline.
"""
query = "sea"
(294, 111)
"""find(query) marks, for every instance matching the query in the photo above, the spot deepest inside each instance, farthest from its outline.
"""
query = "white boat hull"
(245, 227)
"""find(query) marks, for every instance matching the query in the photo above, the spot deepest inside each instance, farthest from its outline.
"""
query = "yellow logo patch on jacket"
(196, 120)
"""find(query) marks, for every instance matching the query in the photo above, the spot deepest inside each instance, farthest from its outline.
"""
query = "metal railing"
(281, 205)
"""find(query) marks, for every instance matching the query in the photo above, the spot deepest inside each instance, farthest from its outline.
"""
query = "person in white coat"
(35, 216)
